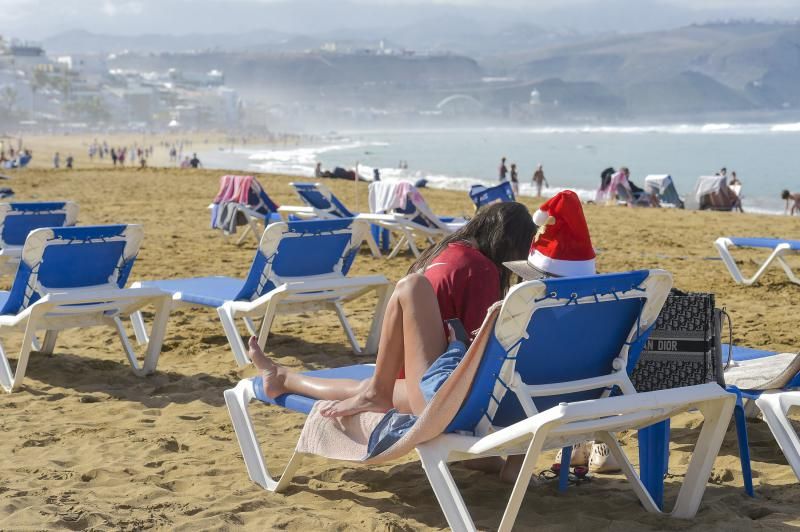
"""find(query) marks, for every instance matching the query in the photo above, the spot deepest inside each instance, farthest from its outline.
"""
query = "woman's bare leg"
(412, 337)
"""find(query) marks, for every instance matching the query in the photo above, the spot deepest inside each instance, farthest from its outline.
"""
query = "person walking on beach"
(502, 171)
(792, 198)
(56, 160)
(114, 156)
(194, 162)
(514, 179)
(538, 179)
(70, 161)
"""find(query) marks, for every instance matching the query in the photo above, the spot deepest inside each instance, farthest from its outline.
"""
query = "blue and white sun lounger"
(774, 404)
(75, 277)
(541, 386)
(298, 267)
(482, 195)
(413, 221)
(779, 248)
(17, 219)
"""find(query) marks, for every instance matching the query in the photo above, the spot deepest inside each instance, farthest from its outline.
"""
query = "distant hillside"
(711, 67)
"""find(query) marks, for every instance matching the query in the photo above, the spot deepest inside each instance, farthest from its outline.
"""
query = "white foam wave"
(786, 128)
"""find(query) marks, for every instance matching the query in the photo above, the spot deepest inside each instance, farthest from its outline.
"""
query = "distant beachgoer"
(538, 179)
(318, 170)
(723, 171)
(185, 163)
(734, 180)
(56, 160)
(502, 171)
(514, 179)
(376, 174)
(70, 161)
(142, 163)
(121, 156)
(114, 156)
(794, 199)
(194, 162)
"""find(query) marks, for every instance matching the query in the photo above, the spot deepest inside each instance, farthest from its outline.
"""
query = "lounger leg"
(788, 269)
(401, 243)
(139, 329)
(775, 407)
(251, 327)
(348, 331)
(523, 479)
(373, 246)
(49, 342)
(384, 292)
(269, 317)
(630, 472)
(716, 417)
(434, 462)
(157, 335)
(744, 445)
(232, 334)
(11, 380)
(237, 401)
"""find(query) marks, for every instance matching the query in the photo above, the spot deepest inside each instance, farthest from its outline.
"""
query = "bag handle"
(730, 336)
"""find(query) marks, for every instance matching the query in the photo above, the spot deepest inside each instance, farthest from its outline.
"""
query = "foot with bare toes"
(273, 375)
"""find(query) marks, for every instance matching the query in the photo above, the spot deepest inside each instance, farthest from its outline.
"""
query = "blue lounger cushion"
(206, 291)
(303, 404)
(764, 242)
(741, 353)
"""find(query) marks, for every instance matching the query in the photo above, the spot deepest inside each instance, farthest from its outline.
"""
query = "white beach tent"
(663, 186)
(712, 192)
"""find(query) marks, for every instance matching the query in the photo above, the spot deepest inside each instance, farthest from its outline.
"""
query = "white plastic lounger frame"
(31, 306)
(556, 427)
(293, 295)
(779, 248)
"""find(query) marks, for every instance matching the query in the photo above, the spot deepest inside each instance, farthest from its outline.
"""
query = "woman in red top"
(460, 277)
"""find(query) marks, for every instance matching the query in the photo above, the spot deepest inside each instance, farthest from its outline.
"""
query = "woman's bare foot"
(364, 401)
(273, 375)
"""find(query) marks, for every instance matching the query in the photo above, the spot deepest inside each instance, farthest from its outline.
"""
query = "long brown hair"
(503, 232)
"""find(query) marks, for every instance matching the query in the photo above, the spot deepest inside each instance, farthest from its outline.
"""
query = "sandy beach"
(88, 445)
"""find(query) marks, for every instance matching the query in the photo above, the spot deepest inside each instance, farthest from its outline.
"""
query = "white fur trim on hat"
(562, 268)
(540, 218)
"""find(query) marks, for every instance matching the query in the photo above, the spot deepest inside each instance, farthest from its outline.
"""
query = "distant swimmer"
(794, 199)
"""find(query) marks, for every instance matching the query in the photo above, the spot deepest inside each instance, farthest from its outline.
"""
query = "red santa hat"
(562, 246)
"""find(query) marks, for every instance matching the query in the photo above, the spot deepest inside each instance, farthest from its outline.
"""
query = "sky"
(38, 19)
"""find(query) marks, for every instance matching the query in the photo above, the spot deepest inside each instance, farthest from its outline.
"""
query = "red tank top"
(466, 284)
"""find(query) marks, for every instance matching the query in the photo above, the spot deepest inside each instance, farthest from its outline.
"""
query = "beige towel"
(768, 373)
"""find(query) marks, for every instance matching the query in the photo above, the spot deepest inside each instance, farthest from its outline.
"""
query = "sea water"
(766, 157)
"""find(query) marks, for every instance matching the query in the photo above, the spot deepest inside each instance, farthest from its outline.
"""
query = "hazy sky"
(36, 19)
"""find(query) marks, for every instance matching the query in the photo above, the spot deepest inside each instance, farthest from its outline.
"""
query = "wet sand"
(89, 445)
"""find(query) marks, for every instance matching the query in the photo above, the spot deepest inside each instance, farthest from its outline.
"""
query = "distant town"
(728, 70)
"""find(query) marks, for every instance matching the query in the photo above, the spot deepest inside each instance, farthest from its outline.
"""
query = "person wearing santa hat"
(561, 246)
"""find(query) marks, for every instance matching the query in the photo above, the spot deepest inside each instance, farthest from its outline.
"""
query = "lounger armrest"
(605, 381)
(296, 209)
(661, 404)
(335, 284)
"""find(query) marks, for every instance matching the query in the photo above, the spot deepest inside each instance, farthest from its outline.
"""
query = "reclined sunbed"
(298, 267)
(528, 383)
(72, 277)
(779, 249)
